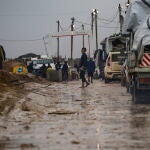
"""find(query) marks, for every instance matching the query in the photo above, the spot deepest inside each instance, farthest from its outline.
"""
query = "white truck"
(136, 28)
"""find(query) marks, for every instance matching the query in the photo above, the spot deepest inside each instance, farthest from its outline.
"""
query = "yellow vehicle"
(112, 68)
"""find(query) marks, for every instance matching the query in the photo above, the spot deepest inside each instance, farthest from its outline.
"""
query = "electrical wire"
(25, 40)
(84, 23)
(108, 21)
(61, 27)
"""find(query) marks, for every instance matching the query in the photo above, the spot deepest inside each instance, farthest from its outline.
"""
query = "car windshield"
(116, 57)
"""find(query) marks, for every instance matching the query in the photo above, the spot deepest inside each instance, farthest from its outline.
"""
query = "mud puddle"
(65, 117)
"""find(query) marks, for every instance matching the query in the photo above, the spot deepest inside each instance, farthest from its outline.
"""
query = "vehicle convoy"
(136, 28)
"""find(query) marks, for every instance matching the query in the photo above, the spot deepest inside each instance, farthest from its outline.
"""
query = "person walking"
(43, 70)
(102, 61)
(90, 70)
(83, 67)
(65, 71)
(58, 66)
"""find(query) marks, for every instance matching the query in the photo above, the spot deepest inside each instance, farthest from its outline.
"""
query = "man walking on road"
(65, 71)
(83, 67)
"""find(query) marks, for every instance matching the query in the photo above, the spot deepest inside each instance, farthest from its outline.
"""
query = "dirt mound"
(7, 77)
(32, 78)
(9, 65)
(10, 78)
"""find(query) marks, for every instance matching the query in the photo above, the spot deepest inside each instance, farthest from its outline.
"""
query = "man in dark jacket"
(83, 67)
(65, 71)
(90, 70)
(43, 70)
(58, 66)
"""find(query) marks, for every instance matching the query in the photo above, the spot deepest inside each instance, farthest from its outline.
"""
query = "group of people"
(85, 66)
(41, 72)
(64, 69)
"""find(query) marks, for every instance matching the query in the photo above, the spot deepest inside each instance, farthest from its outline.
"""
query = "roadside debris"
(30, 106)
(62, 112)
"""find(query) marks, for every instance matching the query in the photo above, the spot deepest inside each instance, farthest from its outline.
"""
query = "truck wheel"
(135, 94)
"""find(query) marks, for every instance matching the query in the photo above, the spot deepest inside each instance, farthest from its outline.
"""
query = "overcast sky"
(24, 23)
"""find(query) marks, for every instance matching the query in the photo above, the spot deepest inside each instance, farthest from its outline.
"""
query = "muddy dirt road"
(62, 116)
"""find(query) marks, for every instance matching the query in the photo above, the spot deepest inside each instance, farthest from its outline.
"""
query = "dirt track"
(63, 116)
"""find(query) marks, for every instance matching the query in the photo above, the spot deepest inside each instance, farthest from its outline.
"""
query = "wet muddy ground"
(62, 116)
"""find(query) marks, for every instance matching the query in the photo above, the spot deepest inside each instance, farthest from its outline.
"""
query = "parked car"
(112, 68)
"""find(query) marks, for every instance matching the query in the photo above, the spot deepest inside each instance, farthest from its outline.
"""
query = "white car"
(39, 62)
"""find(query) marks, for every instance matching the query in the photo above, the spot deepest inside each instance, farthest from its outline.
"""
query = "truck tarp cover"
(137, 16)
(136, 13)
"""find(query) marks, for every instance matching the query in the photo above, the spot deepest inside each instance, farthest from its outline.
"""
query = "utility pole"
(83, 35)
(89, 46)
(58, 25)
(72, 29)
(92, 20)
(127, 4)
(120, 18)
(95, 13)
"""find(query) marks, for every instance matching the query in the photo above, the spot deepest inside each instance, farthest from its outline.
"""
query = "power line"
(100, 26)
(110, 20)
(25, 40)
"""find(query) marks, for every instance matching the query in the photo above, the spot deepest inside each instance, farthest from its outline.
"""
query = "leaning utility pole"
(45, 46)
(58, 25)
(83, 34)
(72, 29)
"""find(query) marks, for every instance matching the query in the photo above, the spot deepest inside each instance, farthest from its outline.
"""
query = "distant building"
(27, 57)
